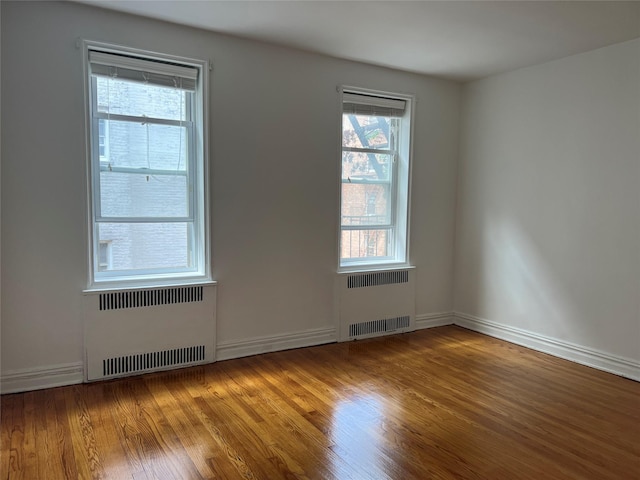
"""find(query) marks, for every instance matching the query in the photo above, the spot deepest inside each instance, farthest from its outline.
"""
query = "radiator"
(133, 331)
(376, 303)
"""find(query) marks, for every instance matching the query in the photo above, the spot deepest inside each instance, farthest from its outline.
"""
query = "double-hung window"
(147, 185)
(375, 165)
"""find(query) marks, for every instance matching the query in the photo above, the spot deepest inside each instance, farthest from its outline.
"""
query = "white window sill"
(120, 286)
(387, 267)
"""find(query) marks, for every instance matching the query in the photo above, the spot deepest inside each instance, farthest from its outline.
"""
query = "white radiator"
(376, 303)
(134, 331)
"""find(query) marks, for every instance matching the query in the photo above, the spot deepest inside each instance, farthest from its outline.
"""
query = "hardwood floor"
(443, 403)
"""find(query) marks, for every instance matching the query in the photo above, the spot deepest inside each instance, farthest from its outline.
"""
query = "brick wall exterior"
(137, 145)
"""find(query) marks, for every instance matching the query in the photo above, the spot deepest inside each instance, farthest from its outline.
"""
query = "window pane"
(363, 131)
(366, 166)
(145, 246)
(365, 244)
(159, 147)
(365, 204)
(123, 97)
(138, 195)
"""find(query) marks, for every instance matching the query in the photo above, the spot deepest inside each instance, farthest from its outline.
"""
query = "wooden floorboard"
(443, 403)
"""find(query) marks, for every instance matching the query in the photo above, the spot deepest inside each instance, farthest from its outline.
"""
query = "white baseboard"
(274, 343)
(430, 320)
(38, 378)
(73, 373)
(586, 356)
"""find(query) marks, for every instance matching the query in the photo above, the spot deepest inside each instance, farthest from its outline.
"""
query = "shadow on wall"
(517, 284)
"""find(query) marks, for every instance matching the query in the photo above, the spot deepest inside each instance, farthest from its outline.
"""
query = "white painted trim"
(607, 362)
(430, 320)
(41, 377)
(201, 197)
(275, 343)
(372, 268)
(72, 373)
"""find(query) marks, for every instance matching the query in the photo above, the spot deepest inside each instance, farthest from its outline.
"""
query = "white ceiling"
(461, 40)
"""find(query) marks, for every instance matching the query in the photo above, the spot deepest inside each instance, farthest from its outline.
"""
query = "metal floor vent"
(376, 326)
(148, 298)
(377, 278)
(152, 360)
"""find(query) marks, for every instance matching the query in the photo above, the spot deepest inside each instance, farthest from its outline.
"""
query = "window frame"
(399, 189)
(104, 161)
(197, 220)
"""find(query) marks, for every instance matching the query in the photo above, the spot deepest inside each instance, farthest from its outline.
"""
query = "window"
(375, 179)
(147, 168)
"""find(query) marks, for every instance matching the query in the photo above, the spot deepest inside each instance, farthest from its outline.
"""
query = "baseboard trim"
(73, 373)
(430, 320)
(38, 378)
(274, 343)
(583, 355)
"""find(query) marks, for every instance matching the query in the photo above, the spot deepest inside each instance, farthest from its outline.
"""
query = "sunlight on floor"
(356, 432)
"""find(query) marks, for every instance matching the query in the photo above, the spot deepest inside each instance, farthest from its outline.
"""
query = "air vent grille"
(149, 298)
(377, 278)
(152, 360)
(377, 326)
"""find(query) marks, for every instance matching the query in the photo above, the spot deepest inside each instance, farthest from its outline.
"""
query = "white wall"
(0, 192)
(275, 136)
(548, 216)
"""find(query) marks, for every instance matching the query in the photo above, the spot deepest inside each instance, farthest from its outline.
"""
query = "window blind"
(358, 104)
(143, 70)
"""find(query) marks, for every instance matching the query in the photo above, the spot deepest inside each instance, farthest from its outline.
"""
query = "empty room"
(320, 239)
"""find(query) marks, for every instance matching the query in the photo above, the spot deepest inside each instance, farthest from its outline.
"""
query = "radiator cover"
(376, 303)
(133, 331)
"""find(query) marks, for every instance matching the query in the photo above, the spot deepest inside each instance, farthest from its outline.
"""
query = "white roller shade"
(143, 70)
(359, 104)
